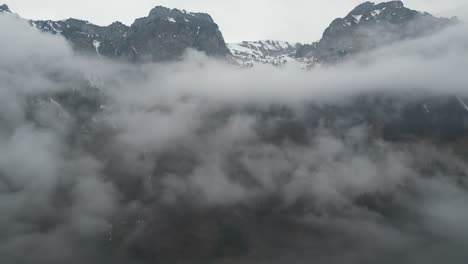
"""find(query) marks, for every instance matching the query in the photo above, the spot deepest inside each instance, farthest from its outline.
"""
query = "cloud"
(52, 195)
(198, 159)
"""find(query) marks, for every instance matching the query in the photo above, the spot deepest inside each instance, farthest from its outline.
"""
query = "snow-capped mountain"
(277, 53)
(249, 53)
(274, 52)
(366, 27)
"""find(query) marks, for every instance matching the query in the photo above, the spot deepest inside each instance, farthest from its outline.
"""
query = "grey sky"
(291, 20)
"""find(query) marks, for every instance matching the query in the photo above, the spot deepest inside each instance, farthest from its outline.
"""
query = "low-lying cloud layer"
(198, 161)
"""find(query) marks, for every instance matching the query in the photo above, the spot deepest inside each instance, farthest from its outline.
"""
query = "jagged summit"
(178, 15)
(393, 12)
(5, 8)
(371, 6)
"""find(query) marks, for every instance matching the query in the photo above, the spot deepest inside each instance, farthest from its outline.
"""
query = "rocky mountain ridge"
(163, 35)
(166, 33)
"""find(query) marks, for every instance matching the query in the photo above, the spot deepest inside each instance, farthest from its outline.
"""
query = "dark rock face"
(164, 35)
(86, 37)
(442, 119)
(370, 26)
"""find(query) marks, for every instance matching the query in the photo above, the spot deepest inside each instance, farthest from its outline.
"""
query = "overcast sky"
(291, 20)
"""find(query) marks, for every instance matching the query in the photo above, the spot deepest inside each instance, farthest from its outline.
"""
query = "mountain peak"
(362, 8)
(367, 7)
(396, 4)
(160, 11)
(172, 14)
(356, 32)
(4, 8)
